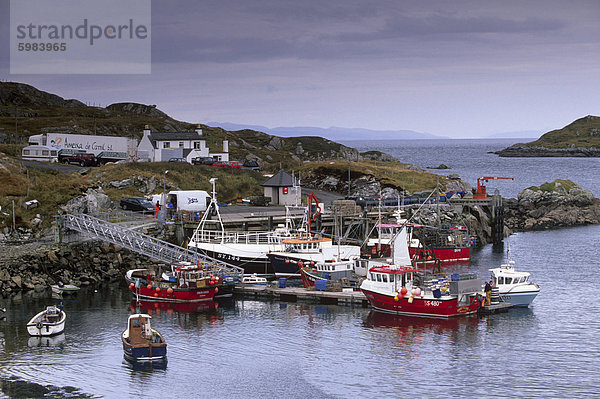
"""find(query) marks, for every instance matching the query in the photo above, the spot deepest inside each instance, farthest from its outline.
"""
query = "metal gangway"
(141, 243)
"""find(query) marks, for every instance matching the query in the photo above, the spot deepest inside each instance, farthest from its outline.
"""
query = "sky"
(462, 69)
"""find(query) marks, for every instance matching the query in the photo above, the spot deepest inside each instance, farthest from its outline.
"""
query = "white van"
(192, 201)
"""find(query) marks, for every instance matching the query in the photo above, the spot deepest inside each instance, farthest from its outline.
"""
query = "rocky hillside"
(579, 139)
(36, 112)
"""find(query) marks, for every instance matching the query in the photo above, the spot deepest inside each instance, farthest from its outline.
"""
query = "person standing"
(157, 208)
(488, 292)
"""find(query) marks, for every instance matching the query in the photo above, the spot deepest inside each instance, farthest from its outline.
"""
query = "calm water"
(249, 348)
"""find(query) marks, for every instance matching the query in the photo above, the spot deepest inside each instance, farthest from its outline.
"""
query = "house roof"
(280, 179)
(168, 136)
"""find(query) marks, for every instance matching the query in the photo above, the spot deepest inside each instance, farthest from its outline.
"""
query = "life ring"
(39, 325)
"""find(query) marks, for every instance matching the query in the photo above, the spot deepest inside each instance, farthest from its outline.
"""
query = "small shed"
(283, 189)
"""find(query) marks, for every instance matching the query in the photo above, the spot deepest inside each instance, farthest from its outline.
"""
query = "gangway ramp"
(138, 242)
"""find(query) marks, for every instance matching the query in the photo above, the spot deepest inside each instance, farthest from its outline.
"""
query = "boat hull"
(285, 266)
(149, 353)
(178, 295)
(519, 299)
(444, 255)
(258, 263)
(426, 307)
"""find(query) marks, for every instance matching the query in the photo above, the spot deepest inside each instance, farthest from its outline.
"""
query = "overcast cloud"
(459, 69)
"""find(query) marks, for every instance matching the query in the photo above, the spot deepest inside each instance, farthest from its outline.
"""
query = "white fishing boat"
(61, 288)
(254, 279)
(50, 321)
(514, 286)
(245, 249)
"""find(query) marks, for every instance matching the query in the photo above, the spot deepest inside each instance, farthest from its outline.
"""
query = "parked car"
(181, 160)
(137, 204)
(81, 159)
(203, 161)
(228, 164)
(260, 200)
(251, 165)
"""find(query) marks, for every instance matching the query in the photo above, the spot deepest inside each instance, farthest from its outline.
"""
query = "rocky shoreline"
(523, 150)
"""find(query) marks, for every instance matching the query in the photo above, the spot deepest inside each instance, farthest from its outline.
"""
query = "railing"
(238, 237)
(140, 243)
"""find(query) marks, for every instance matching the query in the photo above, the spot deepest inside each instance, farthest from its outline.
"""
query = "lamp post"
(164, 199)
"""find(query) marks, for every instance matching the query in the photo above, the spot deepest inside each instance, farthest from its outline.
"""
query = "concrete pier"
(294, 294)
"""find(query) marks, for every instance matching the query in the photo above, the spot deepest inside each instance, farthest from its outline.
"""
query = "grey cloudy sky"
(454, 68)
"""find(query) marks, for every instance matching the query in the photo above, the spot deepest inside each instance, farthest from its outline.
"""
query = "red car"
(228, 164)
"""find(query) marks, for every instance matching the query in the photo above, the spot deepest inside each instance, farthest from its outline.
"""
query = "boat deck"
(294, 294)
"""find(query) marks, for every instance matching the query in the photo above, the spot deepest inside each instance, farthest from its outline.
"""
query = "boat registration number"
(228, 257)
(432, 303)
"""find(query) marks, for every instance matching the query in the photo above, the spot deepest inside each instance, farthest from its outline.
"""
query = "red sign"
(285, 190)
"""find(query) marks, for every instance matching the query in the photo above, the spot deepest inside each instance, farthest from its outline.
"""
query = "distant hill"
(578, 139)
(37, 112)
(332, 133)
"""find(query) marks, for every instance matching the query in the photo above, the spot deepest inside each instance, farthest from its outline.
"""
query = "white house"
(162, 146)
(283, 189)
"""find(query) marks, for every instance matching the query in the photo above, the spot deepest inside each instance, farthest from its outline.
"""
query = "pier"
(295, 294)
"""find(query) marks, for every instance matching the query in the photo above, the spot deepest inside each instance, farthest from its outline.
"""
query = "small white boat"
(50, 321)
(514, 286)
(61, 288)
(254, 279)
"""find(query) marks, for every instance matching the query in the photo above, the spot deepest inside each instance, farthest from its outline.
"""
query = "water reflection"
(56, 340)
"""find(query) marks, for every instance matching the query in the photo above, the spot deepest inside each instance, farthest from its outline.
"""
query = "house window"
(166, 144)
(44, 152)
(53, 153)
(181, 144)
(25, 152)
(196, 145)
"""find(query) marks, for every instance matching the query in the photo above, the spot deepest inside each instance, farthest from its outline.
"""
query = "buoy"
(131, 286)
(403, 291)
(149, 286)
(287, 261)
(157, 289)
(212, 282)
(396, 298)
(216, 290)
(417, 292)
(156, 294)
(300, 264)
(169, 290)
(312, 262)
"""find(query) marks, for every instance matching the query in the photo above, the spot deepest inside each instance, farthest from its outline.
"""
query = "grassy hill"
(582, 133)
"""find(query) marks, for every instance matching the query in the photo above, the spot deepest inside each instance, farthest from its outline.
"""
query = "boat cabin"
(507, 275)
(306, 245)
(394, 277)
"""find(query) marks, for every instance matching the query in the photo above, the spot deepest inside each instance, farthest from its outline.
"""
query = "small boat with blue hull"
(142, 343)
(513, 286)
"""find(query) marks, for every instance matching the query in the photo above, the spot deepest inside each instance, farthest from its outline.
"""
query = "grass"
(550, 187)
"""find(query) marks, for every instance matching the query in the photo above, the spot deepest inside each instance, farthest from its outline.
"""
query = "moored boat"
(308, 251)
(399, 288)
(342, 272)
(514, 286)
(64, 289)
(141, 342)
(254, 279)
(189, 283)
(50, 321)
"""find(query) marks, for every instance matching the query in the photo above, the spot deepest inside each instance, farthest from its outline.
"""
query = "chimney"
(225, 146)
(146, 130)
(199, 130)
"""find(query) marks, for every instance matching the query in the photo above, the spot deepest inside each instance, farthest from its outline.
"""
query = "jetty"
(347, 296)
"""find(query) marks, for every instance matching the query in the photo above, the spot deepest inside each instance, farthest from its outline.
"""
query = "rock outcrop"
(522, 150)
(558, 204)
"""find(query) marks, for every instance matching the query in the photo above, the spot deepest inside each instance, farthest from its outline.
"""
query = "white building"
(162, 146)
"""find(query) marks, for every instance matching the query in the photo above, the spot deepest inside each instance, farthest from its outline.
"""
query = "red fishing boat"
(187, 283)
(399, 288)
(425, 243)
